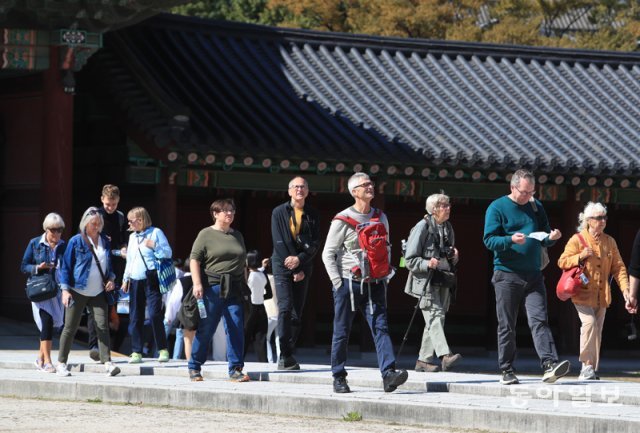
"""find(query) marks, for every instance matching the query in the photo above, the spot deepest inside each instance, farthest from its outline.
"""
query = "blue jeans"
(377, 321)
(232, 311)
(178, 346)
(142, 296)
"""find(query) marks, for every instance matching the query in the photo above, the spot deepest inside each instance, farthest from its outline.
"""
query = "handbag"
(166, 274)
(41, 287)
(571, 280)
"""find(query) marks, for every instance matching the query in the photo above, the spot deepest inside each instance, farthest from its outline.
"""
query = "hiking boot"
(195, 376)
(509, 378)
(94, 354)
(426, 367)
(555, 370)
(587, 373)
(239, 376)
(340, 385)
(449, 360)
(62, 370)
(288, 363)
(111, 369)
(163, 355)
(135, 358)
(393, 379)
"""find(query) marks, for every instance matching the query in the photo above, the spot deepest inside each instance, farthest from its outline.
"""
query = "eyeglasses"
(599, 218)
(365, 185)
(298, 187)
(56, 229)
(445, 205)
(229, 211)
(93, 212)
(525, 192)
(133, 220)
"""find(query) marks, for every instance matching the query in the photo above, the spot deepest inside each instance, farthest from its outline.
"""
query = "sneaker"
(393, 379)
(111, 369)
(163, 355)
(509, 378)
(340, 385)
(195, 376)
(426, 367)
(48, 368)
(587, 373)
(449, 360)
(288, 363)
(94, 354)
(135, 358)
(39, 364)
(62, 370)
(239, 376)
(555, 371)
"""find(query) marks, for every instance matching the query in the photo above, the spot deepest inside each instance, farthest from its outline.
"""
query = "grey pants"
(73, 314)
(434, 341)
(511, 289)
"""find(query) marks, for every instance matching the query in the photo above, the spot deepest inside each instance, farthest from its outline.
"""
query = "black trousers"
(255, 331)
(291, 300)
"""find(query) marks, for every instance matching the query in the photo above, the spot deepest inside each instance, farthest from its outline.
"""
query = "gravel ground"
(47, 416)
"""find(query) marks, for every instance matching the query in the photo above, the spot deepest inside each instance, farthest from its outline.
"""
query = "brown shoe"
(426, 367)
(449, 360)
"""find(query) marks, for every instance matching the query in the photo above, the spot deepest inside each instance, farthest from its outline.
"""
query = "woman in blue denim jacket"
(146, 244)
(85, 275)
(42, 255)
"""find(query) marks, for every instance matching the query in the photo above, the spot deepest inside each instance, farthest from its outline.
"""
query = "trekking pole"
(413, 316)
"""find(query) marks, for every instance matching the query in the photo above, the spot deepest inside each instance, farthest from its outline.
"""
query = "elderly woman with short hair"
(146, 244)
(598, 253)
(430, 254)
(85, 275)
(43, 254)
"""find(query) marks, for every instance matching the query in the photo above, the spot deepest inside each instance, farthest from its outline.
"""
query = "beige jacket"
(605, 261)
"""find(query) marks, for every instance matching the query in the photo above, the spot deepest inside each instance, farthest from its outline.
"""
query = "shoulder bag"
(571, 279)
(41, 287)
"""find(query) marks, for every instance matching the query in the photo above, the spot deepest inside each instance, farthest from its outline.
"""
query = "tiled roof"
(265, 91)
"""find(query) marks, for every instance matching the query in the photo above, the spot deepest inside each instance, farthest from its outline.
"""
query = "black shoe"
(340, 385)
(195, 376)
(288, 363)
(554, 371)
(509, 378)
(94, 354)
(394, 379)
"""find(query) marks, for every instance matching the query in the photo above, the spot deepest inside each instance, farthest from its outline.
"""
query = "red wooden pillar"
(167, 205)
(57, 143)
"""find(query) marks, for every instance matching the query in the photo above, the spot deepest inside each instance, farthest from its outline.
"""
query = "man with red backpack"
(356, 256)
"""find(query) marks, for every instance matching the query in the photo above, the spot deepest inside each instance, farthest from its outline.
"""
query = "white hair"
(522, 174)
(355, 180)
(52, 220)
(590, 210)
(434, 200)
(87, 216)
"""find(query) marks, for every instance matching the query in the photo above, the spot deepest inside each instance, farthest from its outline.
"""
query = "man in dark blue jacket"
(295, 229)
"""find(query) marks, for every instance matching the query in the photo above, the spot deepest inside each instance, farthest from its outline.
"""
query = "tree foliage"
(610, 24)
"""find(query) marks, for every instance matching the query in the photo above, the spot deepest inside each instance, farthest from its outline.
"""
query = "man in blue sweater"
(517, 275)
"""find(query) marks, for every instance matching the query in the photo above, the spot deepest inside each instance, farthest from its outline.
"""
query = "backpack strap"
(351, 221)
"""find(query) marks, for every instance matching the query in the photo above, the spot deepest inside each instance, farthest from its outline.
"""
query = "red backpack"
(372, 238)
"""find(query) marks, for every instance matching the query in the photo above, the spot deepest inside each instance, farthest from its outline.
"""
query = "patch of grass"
(94, 400)
(352, 416)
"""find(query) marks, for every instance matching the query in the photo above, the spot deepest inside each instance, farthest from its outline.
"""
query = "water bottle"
(202, 311)
(116, 253)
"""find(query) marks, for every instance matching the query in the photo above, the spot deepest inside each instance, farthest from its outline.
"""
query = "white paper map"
(539, 235)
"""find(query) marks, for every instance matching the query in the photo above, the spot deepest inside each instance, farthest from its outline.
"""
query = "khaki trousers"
(592, 320)
(434, 341)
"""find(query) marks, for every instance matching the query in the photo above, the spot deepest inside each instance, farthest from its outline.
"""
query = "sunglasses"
(56, 229)
(599, 218)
